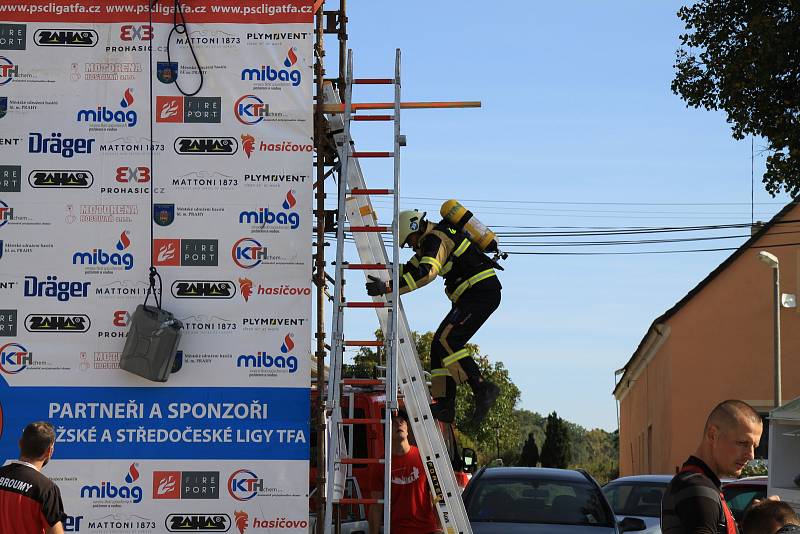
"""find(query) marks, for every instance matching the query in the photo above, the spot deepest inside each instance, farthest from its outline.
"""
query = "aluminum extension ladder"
(403, 368)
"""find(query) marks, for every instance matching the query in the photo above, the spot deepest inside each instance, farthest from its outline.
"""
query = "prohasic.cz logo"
(98, 256)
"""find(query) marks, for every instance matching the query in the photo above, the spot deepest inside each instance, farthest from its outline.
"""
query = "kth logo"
(14, 358)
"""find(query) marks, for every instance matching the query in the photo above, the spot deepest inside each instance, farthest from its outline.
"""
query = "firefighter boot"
(444, 410)
(486, 395)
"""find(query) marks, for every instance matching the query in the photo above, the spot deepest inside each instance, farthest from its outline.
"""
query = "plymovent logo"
(61, 179)
(61, 323)
(109, 116)
(108, 491)
(62, 37)
(100, 257)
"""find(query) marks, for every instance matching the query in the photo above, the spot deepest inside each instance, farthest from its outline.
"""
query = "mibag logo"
(264, 360)
(108, 491)
(66, 147)
(100, 257)
(265, 217)
(54, 179)
(103, 115)
(51, 287)
(277, 76)
(60, 323)
(72, 38)
(185, 252)
(189, 109)
(185, 484)
(214, 146)
(14, 358)
(13, 36)
(250, 109)
(130, 32)
(203, 289)
(198, 522)
(8, 70)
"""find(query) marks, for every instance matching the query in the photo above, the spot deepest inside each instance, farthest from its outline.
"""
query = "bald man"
(693, 503)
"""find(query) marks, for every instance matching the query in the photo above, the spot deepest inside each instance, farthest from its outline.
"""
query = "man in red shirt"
(30, 503)
(412, 505)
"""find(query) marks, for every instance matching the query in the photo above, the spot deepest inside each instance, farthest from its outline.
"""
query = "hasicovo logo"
(264, 216)
(72, 37)
(104, 115)
(109, 491)
(214, 146)
(98, 256)
(14, 358)
(61, 179)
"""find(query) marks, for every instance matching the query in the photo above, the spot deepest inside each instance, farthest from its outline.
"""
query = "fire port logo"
(14, 358)
(248, 253)
(107, 491)
(104, 118)
(98, 256)
(263, 217)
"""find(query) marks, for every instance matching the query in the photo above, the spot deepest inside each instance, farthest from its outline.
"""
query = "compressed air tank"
(465, 220)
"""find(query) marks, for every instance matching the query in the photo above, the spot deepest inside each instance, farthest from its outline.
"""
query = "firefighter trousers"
(451, 363)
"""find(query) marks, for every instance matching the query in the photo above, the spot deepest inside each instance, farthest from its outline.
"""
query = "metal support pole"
(777, 334)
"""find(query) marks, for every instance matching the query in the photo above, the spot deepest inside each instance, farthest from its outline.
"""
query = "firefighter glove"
(376, 286)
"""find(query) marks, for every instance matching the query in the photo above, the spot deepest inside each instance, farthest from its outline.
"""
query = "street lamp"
(772, 261)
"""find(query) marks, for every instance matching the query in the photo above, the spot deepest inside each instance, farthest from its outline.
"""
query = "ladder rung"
(362, 382)
(373, 81)
(363, 191)
(369, 229)
(372, 154)
(360, 501)
(365, 304)
(364, 343)
(353, 461)
(375, 118)
(366, 266)
(362, 421)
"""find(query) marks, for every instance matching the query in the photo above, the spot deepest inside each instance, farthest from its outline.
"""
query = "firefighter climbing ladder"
(403, 368)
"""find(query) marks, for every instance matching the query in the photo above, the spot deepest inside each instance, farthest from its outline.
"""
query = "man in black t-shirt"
(692, 502)
(30, 503)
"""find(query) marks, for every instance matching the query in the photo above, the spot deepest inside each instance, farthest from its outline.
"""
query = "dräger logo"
(203, 289)
(198, 522)
(61, 323)
(108, 491)
(67, 147)
(52, 179)
(213, 146)
(72, 38)
(63, 291)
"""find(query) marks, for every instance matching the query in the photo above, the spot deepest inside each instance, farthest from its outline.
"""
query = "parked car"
(638, 496)
(537, 500)
(742, 492)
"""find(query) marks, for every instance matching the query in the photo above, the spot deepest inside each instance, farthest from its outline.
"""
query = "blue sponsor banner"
(95, 423)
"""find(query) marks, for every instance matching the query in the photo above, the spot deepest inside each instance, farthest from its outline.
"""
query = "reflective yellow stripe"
(440, 372)
(415, 261)
(433, 262)
(461, 248)
(471, 281)
(412, 285)
(446, 268)
(453, 358)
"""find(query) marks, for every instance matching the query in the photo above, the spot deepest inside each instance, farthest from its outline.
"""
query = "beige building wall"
(719, 346)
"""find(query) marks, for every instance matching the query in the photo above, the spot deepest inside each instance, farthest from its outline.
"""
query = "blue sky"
(576, 109)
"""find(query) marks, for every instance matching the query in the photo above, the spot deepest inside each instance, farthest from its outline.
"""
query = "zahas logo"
(100, 257)
(264, 216)
(198, 522)
(214, 146)
(57, 323)
(103, 115)
(72, 38)
(203, 289)
(52, 179)
(108, 491)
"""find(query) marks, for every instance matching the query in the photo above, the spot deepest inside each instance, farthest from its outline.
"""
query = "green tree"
(530, 452)
(742, 57)
(556, 450)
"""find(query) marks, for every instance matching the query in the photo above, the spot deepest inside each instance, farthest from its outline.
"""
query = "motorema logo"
(108, 491)
(61, 323)
(98, 256)
(14, 358)
(196, 522)
(53, 179)
(62, 37)
(203, 289)
(213, 146)
(263, 217)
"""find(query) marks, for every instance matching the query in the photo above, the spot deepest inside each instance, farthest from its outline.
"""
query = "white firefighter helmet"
(410, 222)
